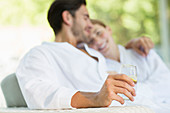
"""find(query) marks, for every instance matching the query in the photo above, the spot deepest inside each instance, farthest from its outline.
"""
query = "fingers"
(142, 45)
(149, 44)
(146, 44)
(140, 51)
(114, 84)
(125, 92)
(123, 77)
(118, 98)
(124, 85)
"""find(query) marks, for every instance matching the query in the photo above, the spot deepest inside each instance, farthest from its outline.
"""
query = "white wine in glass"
(129, 70)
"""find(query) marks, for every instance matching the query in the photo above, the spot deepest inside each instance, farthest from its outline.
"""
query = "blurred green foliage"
(17, 12)
(127, 18)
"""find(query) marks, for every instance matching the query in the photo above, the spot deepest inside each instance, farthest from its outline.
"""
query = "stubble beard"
(78, 33)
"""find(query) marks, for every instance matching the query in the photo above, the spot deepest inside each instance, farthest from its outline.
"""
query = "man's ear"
(67, 18)
(109, 29)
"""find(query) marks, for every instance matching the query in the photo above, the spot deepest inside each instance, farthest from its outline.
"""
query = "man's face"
(82, 25)
(101, 39)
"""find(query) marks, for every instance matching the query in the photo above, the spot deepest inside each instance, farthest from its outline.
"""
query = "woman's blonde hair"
(95, 21)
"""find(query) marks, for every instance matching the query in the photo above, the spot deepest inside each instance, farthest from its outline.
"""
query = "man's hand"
(114, 84)
(141, 45)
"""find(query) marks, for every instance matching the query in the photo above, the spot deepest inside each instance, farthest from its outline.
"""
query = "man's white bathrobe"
(50, 74)
(153, 87)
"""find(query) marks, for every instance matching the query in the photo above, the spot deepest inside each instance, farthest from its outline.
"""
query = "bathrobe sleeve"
(39, 84)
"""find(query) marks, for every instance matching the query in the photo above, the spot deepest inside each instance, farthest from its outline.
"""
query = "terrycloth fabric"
(50, 74)
(153, 87)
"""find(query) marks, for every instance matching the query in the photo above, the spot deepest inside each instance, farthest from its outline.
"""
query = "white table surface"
(116, 109)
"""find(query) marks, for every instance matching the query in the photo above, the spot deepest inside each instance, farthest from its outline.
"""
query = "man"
(153, 74)
(58, 75)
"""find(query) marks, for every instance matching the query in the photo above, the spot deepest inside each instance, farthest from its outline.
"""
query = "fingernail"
(122, 102)
(132, 99)
(135, 94)
(133, 84)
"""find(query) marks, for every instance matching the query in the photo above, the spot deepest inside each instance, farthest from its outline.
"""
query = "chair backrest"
(12, 92)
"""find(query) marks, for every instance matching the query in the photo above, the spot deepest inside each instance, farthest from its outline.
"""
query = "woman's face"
(101, 39)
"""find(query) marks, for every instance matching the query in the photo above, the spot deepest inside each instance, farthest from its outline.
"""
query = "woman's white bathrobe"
(153, 87)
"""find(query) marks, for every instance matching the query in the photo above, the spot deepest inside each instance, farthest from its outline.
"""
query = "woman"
(153, 75)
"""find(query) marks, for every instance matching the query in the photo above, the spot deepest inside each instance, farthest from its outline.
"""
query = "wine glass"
(131, 71)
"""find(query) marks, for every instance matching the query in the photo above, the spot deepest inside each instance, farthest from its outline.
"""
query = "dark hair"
(94, 21)
(58, 6)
